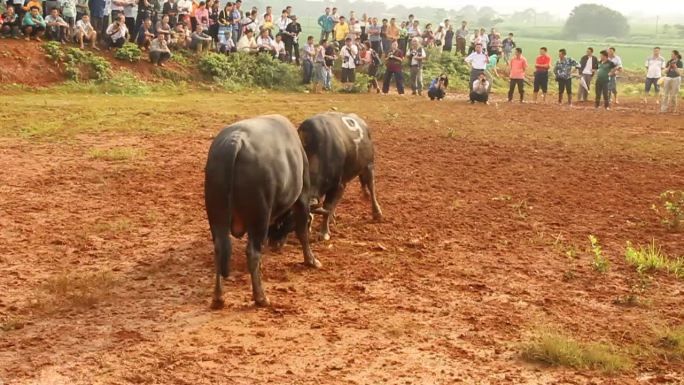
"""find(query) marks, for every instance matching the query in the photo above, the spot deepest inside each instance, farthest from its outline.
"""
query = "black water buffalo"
(339, 149)
(256, 178)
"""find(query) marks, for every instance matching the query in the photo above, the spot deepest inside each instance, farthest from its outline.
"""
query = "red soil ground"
(469, 259)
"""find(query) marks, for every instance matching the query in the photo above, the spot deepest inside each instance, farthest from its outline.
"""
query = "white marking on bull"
(354, 126)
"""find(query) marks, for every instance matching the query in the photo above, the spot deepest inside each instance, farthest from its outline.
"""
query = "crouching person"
(117, 33)
(200, 41)
(438, 87)
(159, 51)
(84, 32)
(480, 92)
(33, 24)
(10, 23)
(57, 28)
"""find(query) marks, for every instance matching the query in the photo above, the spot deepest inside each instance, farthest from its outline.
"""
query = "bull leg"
(222, 251)
(332, 198)
(368, 178)
(256, 240)
(301, 211)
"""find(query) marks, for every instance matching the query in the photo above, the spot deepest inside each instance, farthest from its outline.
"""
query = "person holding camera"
(395, 57)
(416, 57)
(437, 89)
(350, 59)
(117, 32)
(480, 92)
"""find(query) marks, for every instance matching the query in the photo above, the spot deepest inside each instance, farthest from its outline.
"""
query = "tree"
(593, 19)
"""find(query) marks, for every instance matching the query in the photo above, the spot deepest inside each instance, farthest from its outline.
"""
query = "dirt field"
(106, 261)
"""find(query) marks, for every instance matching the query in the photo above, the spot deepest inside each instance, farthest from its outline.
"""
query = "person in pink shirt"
(518, 66)
(202, 16)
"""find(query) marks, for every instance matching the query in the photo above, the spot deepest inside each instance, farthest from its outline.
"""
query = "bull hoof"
(217, 304)
(262, 302)
(315, 263)
(377, 216)
(324, 237)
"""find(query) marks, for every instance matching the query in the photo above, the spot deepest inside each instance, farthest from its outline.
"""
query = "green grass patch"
(116, 226)
(671, 343)
(555, 348)
(651, 258)
(10, 323)
(116, 154)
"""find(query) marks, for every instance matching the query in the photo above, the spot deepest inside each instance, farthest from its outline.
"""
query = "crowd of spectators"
(358, 43)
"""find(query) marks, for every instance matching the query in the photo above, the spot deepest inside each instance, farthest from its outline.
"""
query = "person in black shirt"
(171, 10)
(448, 39)
(291, 39)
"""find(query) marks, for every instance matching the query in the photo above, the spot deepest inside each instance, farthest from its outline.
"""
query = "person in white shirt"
(612, 83)
(184, 9)
(478, 63)
(84, 31)
(247, 43)
(265, 43)
(117, 33)
(284, 21)
(349, 54)
(654, 71)
(416, 55)
(480, 92)
(587, 68)
(280, 50)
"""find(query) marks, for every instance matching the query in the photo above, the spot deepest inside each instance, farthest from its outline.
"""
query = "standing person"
(416, 56)
(654, 70)
(130, 11)
(414, 30)
(478, 64)
(395, 33)
(170, 10)
(145, 9)
(349, 54)
(495, 45)
(326, 22)
(563, 71)
(69, 15)
(374, 31)
(341, 31)
(475, 40)
(201, 17)
(614, 78)
(518, 66)
(283, 22)
(319, 68)
(484, 39)
(373, 65)
(672, 84)
(448, 39)
(82, 9)
(393, 65)
(541, 74)
(480, 92)
(98, 16)
(508, 46)
(237, 22)
(606, 70)
(588, 66)
(308, 60)
(384, 39)
(330, 57)
(365, 20)
(291, 37)
(461, 36)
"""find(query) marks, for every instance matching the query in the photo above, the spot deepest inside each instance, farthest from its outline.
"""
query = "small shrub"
(98, 67)
(239, 70)
(671, 209)
(124, 83)
(651, 258)
(557, 349)
(671, 341)
(129, 52)
(599, 262)
(53, 51)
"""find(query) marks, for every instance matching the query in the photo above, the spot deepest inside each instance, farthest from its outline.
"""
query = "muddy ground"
(481, 204)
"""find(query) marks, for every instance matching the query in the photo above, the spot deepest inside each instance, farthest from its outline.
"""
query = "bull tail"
(218, 194)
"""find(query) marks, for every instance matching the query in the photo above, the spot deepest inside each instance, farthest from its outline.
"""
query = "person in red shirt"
(517, 66)
(393, 65)
(541, 74)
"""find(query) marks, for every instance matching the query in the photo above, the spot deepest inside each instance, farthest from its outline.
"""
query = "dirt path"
(470, 258)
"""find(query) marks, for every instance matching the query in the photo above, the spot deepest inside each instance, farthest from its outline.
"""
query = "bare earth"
(481, 205)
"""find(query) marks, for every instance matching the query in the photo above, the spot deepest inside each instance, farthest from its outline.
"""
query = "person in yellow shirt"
(341, 31)
(34, 3)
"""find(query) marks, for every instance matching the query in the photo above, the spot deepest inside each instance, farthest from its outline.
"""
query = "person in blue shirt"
(437, 89)
(326, 23)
